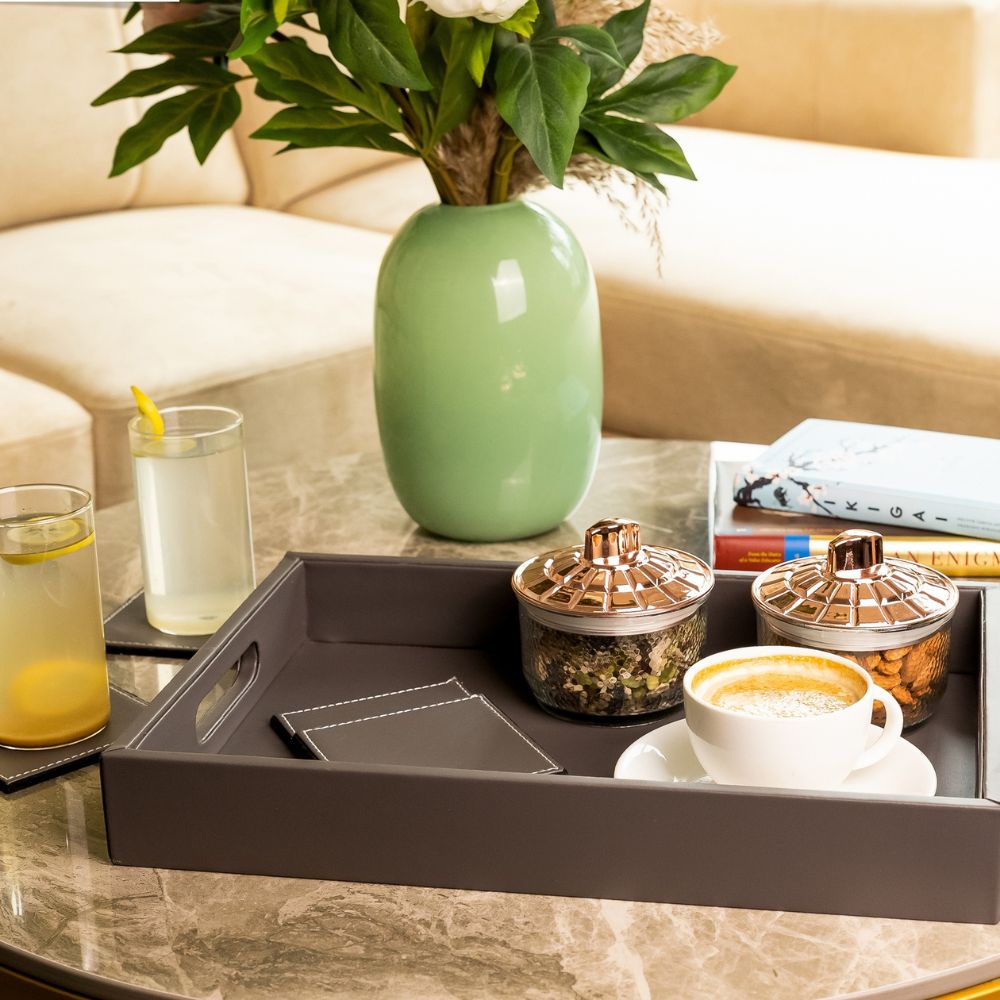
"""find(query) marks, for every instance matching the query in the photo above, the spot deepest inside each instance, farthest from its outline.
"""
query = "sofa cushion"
(233, 305)
(920, 76)
(44, 436)
(799, 280)
(57, 150)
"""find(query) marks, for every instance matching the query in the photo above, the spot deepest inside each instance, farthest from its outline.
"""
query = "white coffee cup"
(785, 750)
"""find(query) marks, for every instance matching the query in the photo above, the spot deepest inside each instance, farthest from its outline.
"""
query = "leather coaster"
(291, 725)
(469, 733)
(127, 631)
(20, 768)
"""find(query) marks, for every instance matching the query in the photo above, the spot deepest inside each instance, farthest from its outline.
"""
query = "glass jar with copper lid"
(891, 616)
(609, 627)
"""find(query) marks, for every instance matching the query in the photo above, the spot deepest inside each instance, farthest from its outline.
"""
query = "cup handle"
(890, 732)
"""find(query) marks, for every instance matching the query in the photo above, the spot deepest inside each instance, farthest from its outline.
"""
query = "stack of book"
(935, 497)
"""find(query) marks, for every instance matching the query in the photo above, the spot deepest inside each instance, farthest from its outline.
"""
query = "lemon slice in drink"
(157, 446)
(44, 540)
(149, 411)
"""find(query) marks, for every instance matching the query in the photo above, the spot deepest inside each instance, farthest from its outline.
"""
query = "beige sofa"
(800, 278)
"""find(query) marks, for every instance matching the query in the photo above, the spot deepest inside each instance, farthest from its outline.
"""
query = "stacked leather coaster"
(434, 725)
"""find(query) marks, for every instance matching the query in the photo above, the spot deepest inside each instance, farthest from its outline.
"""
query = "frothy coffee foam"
(780, 688)
(780, 696)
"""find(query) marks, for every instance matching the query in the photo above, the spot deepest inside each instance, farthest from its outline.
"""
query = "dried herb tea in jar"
(891, 616)
(609, 627)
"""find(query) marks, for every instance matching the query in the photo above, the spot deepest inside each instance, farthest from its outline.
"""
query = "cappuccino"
(780, 688)
(785, 717)
(782, 696)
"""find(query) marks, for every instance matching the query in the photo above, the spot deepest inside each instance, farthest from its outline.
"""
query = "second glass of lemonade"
(194, 517)
(53, 671)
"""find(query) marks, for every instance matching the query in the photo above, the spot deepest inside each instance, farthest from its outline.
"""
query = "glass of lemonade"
(194, 517)
(53, 671)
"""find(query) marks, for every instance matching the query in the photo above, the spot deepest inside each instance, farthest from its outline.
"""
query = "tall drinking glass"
(194, 517)
(53, 671)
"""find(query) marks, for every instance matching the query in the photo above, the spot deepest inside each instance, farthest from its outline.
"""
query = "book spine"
(758, 552)
(963, 557)
(821, 495)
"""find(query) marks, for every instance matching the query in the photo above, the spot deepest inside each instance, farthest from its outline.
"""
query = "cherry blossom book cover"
(948, 483)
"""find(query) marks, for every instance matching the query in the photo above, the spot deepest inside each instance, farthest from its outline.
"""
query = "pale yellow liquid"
(197, 553)
(53, 671)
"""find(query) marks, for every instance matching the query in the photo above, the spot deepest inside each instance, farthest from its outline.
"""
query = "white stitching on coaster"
(386, 715)
(372, 697)
(535, 747)
(76, 756)
(121, 608)
(65, 760)
(129, 695)
(419, 708)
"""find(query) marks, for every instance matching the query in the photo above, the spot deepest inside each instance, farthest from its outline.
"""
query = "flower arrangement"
(495, 96)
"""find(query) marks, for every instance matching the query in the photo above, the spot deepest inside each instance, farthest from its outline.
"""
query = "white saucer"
(665, 754)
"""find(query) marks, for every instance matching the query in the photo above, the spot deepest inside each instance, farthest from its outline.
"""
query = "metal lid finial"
(611, 542)
(855, 554)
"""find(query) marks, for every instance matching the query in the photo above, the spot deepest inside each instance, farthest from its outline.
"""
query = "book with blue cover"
(897, 476)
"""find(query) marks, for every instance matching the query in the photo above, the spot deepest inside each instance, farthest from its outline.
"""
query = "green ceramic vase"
(488, 379)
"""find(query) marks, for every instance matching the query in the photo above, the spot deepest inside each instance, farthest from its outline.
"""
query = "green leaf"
(669, 91)
(546, 15)
(479, 54)
(587, 146)
(379, 102)
(459, 92)
(370, 39)
(181, 72)
(297, 75)
(541, 90)
(291, 11)
(265, 95)
(132, 11)
(211, 119)
(257, 24)
(636, 146)
(200, 36)
(161, 121)
(651, 179)
(523, 21)
(596, 47)
(292, 72)
(420, 21)
(312, 127)
(627, 28)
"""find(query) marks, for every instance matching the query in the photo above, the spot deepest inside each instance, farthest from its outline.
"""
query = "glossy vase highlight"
(488, 377)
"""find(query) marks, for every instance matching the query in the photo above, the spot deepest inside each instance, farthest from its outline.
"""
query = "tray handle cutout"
(225, 695)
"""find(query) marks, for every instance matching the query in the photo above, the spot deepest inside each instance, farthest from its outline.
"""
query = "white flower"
(491, 11)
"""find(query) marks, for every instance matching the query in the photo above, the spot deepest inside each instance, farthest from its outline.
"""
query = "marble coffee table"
(70, 918)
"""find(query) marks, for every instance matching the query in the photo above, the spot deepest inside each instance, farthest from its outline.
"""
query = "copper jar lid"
(853, 590)
(612, 584)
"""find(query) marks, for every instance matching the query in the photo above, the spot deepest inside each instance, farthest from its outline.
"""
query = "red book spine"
(749, 552)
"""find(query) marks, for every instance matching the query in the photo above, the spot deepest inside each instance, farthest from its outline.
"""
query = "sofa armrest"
(920, 76)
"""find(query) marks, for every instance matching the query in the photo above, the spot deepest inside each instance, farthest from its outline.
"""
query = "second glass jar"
(891, 616)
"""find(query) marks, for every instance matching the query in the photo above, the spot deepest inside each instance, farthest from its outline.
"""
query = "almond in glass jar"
(891, 616)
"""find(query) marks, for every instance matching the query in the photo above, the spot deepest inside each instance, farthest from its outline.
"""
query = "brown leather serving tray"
(203, 782)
